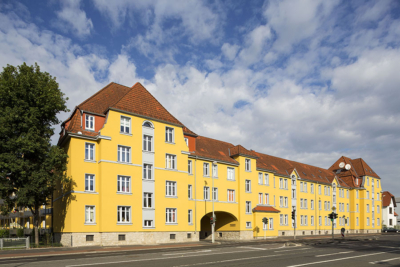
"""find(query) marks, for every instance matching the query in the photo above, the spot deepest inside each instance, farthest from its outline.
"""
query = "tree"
(30, 167)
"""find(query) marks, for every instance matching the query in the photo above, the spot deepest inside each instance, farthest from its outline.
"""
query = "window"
(89, 151)
(231, 174)
(367, 207)
(206, 169)
(293, 193)
(377, 183)
(286, 219)
(123, 184)
(89, 238)
(356, 194)
(170, 215)
(367, 194)
(347, 191)
(301, 220)
(148, 223)
(377, 196)
(312, 188)
(89, 214)
(266, 177)
(260, 198)
(305, 187)
(125, 125)
(312, 220)
(319, 205)
(260, 178)
(320, 220)
(378, 221)
(248, 224)
(187, 141)
(319, 189)
(89, 182)
(280, 183)
(147, 143)
(170, 189)
(248, 165)
(169, 134)
(170, 161)
(147, 171)
(215, 170)
(190, 194)
(286, 185)
(248, 186)
(286, 202)
(356, 207)
(124, 214)
(357, 221)
(312, 204)
(215, 194)
(368, 181)
(89, 122)
(301, 186)
(271, 223)
(305, 220)
(281, 219)
(378, 209)
(265, 226)
(147, 124)
(305, 204)
(367, 221)
(190, 167)
(248, 206)
(267, 199)
(190, 216)
(231, 195)
(347, 207)
(124, 153)
(281, 201)
(147, 200)
(390, 210)
(206, 193)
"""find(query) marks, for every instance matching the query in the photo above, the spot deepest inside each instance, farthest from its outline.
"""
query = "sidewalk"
(59, 251)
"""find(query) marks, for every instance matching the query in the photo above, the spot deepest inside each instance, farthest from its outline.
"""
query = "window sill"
(145, 208)
(123, 193)
(190, 224)
(149, 227)
(171, 223)
(206, 176)
(171, 143)
(229, 180)
(146, 151)
(248, 227)
(247, 171)
(248, 213)
(248, 192)
(90, 192)
(128, 134)
(90, 161)
(120, 223)
(147, 180)
(171, 196)
(90, 223)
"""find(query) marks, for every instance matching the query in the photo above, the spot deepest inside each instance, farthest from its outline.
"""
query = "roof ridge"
(215, 139)
(294, 161)
(98, 92)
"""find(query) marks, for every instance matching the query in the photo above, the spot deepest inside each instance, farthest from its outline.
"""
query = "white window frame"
(148, 223)
(171, 188)
(312, 188)
(190, 167)
(260, 178)
(215, 193)
(90, 181)
(247, 186)
(125, 124)
(206, 169)
(248, 207)
(124, 151)
(231, 174)
(90, 150)
(319, 189)
(88, 210)
(190, 191)
(247, 163)
(248, 224)
(148, 143)
(215, 170)
(88, 120)
(206, 193)
(231, 193)
(266, 195)
(147, 171)
(190, 217)
(170, 161)
(260, 198)
(123, 180)
(186, 141)
(148, 200)
(266, 179)
(169, 135)
(126, 209)
(171, 216)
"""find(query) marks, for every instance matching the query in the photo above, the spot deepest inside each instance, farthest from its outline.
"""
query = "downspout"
(195, 196)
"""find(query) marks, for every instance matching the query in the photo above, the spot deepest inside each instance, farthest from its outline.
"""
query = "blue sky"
(305, 80)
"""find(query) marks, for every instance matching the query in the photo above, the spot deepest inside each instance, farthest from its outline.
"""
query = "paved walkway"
(58, 251)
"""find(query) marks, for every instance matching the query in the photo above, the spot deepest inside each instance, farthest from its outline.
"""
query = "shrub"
(20, 232)
(4, 233)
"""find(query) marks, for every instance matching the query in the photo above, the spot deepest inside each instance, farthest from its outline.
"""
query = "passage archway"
(226, 226)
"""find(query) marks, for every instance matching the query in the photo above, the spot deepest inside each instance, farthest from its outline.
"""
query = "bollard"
(1, 243)
(27, 243)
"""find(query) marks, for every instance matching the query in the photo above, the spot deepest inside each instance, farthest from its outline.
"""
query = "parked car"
(388, 230)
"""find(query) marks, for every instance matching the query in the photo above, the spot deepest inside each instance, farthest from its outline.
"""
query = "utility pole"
(213, 214)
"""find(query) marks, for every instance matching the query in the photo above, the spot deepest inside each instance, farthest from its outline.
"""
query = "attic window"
(313, 175)
(305, 173)
(320, 171)
(338, 171)
(319, 176)
(148, 124)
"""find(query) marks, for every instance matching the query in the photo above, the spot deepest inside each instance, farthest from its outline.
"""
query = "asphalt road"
(382, 252)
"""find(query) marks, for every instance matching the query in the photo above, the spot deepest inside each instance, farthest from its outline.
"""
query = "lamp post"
(213, 214)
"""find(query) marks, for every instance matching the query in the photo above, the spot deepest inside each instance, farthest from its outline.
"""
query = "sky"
(308, 80)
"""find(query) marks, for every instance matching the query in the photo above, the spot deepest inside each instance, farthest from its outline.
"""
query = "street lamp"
(333, 218)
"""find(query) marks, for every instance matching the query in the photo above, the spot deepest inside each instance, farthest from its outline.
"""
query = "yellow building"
(141, 177)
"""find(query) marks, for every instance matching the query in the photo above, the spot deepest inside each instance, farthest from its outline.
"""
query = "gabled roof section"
(284, 167)
(386, 198)
(239, 150)
(362, 168)
(187, 131)
(139, 101)
(213, 149)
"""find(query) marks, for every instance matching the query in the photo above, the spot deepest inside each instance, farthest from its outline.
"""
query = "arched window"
(148, 124)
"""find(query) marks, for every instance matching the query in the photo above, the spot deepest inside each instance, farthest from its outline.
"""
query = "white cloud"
(255, 44)
(229, 51)
(75, 18)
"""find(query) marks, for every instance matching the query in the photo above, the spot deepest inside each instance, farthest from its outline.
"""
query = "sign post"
(265, 222)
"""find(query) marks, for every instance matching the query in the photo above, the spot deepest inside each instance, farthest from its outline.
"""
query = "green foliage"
(4, 233)
(30, 167)
(20, 232)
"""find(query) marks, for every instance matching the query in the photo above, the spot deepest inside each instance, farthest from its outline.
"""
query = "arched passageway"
(226, 226)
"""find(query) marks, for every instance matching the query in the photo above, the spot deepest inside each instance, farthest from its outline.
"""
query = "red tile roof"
(265, 209)
(213, 149)
(188, 131)
(386, 198)
(241, 151)
(395, 214)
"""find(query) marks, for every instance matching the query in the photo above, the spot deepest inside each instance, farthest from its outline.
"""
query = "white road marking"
(344, 252)
(352, 257)
(184, 252)
(382, 261)
(213, 262)
(163, 258)
(292, 249)
(389, 247)
(254, 248)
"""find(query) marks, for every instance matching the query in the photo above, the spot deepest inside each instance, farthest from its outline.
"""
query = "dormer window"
(247, 165)
(89, 122)
(125, 125)
(187, 141)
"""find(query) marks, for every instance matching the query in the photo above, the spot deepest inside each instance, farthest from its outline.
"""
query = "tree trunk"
(36, 225)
